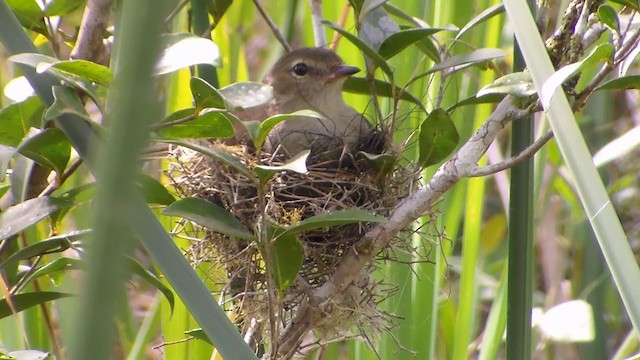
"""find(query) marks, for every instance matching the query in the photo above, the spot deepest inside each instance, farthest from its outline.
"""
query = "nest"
(288, 199)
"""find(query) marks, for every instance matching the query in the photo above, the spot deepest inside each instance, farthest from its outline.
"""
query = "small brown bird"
(312, 78)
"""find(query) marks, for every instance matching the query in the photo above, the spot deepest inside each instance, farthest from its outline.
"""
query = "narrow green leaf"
(24, 301)
(65, 102)
(216, 154)
(599, 53)
(87, 70)
(61, 7)
(28, 13)
(518, 84)
(634, 4)
(154, 192)
(368, 6)
(334, 218)
(6, 153)
(26, 355)
(438, 138)
(268, 124)
(475, 99)
(207, 124)
(459, 62)
(152, 279)
(399, 41)
(205, 95)
(371, 53)
(287, 255)
(27, 213)
(50, 245)
(358, 85)
(621, 83)
(209, 215)
(184, 50)
(16, 119)
(485, 15)
(297, 164)
(50, 148)
(383, 164)
(376, 26)
(245, 95)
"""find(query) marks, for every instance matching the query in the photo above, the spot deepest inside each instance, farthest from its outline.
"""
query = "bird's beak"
(340, 72)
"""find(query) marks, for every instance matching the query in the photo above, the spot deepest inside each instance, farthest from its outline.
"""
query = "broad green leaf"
(16, 119)
(475, 99)
(205, 95)
(65, 102)
(518, 84)
(62, 7)
(205, 125)
(621, 83)
(297, 164)
(29, 14)
(438, 138)
(368, 6)
(50, 148)
(268, 124)
(334, 218)
(184, 50)
(358, 85)
(24, 301)
(210, 216)
(371, 53)
(245, 95)
(287, 255)
(599, 53)
(398, 41)
(84, 69)
(154, 192)
(27, 213)
(54, 244)
(383, 164)
(219, 155)
(6, 153)
(609, 17)
(482, 17)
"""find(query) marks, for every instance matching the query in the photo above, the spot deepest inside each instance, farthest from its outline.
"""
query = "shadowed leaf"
(22, 302)
(267, 125)
(518, 84)
(16, 119)
(50, 148)
(287, 255)
(334, 218)
(27, 213)
(438, 138)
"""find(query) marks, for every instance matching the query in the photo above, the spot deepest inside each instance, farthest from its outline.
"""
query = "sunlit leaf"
(24, 301)
(6, 153)
(368, 6)
(19, 217)
(87, 70)
(335, 218)
(267, 125)
(475, 99)
(16, 119)
(184, 50)
(49, 147)
(297, 164)
(438, 138)
(27, 355)
(28, 13)
(204, 125)
(50, 245)
(287, 255)
(210, 216)
(62, 7)
(376, 26)
(518, 84)
(245, 95)
(383, 164)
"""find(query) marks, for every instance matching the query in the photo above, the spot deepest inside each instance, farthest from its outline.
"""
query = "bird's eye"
(300, 69)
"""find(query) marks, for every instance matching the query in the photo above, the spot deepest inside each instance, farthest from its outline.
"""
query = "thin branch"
(506, 164)
(319, 36)
(343, 20)
(272, 26)
(176, 10)
(93, 30)
(54, 185)
(175, 122)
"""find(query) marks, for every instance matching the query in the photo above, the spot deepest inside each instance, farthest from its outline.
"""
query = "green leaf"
(245, 95)
(50, 148)
(621, 83)
(371, 53)
(335, 218)
(62, 7)
(219, 155)
(24, 301)
(206, 125)
(27, 213)
(154, 192)
(6, 153)
(16, 119)
(368, 6)
(297, 164)
(438, 138)
(210, 216)
(609, 17)
(287, 255)
(65, 102)
(217, 8)
(268, 124)
(601, 52)
(54, 244)
(482, 17)
(383, 164)
(152, 279)
(634, 4)
(399, 41)
(84, 69)
(184, 50)
(29, 14)
(459, 62)
(518, 84)
(199, 334)
(376, 26)
(475, 99)
(205, 95)
(359, 85)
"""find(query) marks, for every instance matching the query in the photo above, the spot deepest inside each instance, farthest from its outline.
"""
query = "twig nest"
(288, 199)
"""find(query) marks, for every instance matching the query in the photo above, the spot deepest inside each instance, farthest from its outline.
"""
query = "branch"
(90, 45)
(272, 25)
(408, 210)
(319, 36)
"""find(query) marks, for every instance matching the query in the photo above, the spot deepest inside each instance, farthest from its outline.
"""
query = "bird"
(312, 78)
